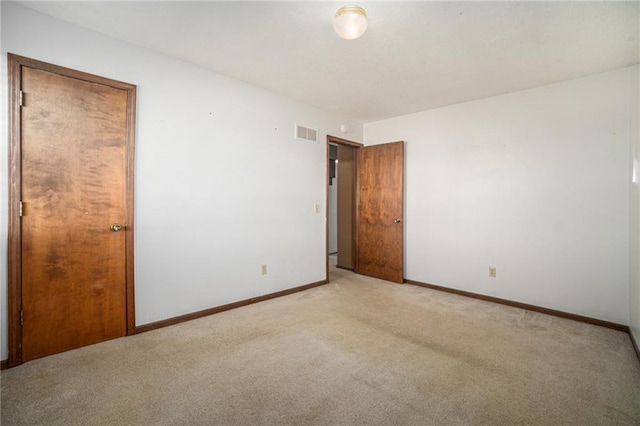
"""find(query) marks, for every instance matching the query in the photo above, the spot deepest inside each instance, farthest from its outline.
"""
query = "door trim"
(15, 64)
(337, 141)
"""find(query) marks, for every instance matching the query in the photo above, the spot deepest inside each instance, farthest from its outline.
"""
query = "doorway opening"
(341, 201)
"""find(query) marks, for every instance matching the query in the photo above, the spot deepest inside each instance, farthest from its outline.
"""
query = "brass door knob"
(116, 227)
(396, 220)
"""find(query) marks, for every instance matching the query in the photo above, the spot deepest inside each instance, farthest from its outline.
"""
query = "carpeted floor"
(354, 352)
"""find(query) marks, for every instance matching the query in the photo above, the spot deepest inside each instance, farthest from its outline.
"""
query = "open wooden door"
(379, 212)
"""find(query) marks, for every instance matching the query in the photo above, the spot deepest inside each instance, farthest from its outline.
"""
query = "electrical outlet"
(263, 269)
(492, 271)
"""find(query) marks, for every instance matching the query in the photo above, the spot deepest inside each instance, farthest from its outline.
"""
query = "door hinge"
(21, 317)
(20, 99)
(20, 208)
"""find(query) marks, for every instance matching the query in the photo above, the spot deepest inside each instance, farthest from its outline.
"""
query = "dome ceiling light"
(350, 22)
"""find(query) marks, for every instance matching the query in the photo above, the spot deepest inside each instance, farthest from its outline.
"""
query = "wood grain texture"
(73, 173)
(380, 201)
(128, 214)
(72, 144)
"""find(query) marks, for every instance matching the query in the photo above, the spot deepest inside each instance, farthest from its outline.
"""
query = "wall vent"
(306, 133)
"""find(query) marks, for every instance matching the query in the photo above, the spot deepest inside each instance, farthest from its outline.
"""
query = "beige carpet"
(354, 352)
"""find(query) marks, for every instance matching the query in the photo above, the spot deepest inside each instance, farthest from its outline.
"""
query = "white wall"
(535, 183)
(634, 211)
(221, 186)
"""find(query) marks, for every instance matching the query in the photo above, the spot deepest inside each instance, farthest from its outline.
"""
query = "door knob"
(116, 227)
(397, 220)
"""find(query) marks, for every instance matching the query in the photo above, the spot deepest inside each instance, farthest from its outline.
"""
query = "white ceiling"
(414, 55)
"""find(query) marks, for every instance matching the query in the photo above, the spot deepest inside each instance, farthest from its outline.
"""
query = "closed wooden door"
(75, 194)
(379, 212)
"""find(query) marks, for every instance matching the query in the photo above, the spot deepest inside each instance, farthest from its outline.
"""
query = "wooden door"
(75, 137)
(379, 212)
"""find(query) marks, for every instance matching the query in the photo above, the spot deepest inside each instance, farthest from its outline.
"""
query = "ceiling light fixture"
(350, 22)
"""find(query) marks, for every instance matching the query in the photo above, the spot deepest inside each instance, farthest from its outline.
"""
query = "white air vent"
(306, 133)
